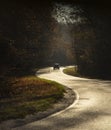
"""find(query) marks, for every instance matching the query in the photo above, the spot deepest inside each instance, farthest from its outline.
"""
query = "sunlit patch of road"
(92, 111)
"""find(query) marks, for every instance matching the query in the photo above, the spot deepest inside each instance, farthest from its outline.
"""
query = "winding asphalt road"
(91, 110)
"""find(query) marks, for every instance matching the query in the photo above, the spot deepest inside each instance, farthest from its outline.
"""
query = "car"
(56, 66)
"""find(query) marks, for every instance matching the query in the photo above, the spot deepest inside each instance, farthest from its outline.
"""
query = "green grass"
(71, 71)
(27, 95)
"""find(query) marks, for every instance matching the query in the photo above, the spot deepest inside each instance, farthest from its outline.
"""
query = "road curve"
(91, 112)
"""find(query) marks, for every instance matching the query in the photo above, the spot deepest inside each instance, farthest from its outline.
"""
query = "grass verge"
(71, 71)
(27, 95)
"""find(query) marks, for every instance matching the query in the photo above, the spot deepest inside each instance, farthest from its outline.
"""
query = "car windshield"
(56, 64)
